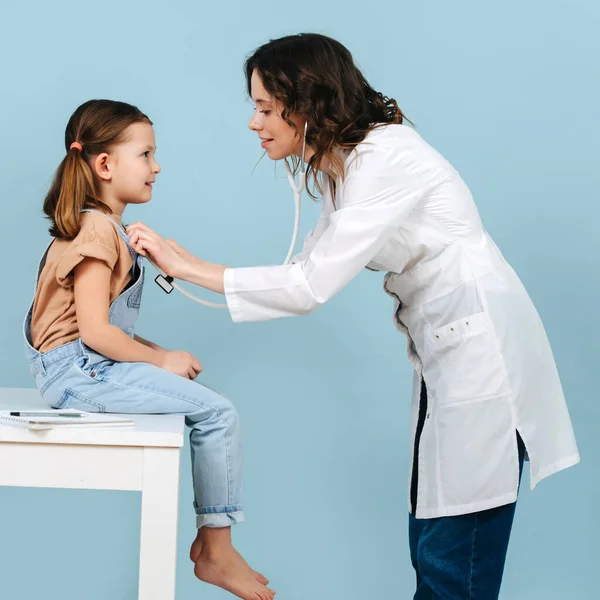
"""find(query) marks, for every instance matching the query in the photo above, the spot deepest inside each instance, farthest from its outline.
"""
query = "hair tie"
(76, 145)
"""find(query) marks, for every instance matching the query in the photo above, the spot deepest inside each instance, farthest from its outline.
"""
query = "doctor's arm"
(177, 262)
(377, 196)
(375, 199)
(211, 276)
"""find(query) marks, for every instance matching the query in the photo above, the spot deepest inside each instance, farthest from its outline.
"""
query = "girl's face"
(129, 171)
(279, 139)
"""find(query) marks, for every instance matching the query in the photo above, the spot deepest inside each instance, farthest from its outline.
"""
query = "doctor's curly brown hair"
(314, 76)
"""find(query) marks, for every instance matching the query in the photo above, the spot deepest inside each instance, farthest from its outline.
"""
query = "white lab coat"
(473, 333)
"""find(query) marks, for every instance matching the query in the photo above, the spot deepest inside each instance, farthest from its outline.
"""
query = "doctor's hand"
(181, 363)
(176, 261)
(168, 255)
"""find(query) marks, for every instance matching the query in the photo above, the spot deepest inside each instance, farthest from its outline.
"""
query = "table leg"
(160, 506)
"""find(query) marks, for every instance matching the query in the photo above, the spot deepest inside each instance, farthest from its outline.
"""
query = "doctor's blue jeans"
(462, 557)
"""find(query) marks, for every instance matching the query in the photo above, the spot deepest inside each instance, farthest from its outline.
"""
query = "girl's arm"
(92, 300)
(148, 343)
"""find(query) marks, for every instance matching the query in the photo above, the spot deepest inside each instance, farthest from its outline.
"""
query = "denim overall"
(75, 376)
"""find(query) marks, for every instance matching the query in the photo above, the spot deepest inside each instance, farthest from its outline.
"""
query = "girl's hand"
(181, 363)
(167, 255)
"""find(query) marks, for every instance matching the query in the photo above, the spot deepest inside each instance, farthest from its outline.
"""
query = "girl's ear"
(102, 167)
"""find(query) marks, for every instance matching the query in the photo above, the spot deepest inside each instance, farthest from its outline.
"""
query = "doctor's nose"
(255, 124)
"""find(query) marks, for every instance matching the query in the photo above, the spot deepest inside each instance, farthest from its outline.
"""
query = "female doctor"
(486, 388)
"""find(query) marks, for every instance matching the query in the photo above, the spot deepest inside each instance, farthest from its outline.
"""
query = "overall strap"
(42, 262)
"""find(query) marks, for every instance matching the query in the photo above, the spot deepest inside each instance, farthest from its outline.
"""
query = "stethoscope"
(168, 284)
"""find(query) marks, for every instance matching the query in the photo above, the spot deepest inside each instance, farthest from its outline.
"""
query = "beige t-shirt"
(54, 321)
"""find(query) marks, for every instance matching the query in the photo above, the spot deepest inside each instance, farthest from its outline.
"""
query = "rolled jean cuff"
(219, 517)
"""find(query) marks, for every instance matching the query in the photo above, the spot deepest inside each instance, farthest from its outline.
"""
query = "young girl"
(79, 331)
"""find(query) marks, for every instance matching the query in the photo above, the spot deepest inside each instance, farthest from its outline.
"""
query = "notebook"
(60, 419)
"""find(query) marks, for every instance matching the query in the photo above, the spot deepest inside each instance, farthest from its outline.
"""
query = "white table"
(144, 457)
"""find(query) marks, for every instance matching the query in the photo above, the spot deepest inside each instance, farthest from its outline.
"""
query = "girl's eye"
(265, 112)
(146, 154)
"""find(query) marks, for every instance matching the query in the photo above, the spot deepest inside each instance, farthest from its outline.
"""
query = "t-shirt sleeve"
(98, 239)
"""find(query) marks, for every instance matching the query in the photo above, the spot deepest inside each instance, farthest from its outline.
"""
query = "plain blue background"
(507, 91)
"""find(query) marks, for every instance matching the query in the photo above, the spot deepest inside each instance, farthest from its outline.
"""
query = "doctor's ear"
(102, 167)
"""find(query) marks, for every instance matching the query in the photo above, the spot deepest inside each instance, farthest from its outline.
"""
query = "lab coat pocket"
(465, 434)
(466, 360)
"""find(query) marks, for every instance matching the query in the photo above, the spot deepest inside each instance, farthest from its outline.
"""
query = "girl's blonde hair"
(95, 127)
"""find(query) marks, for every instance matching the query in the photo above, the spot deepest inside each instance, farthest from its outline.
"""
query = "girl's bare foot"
(197, 548)
(226, 569)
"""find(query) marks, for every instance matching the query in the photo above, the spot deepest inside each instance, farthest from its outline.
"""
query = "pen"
(44, 414)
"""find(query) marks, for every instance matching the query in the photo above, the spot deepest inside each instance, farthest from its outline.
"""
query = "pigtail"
(71, 191)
